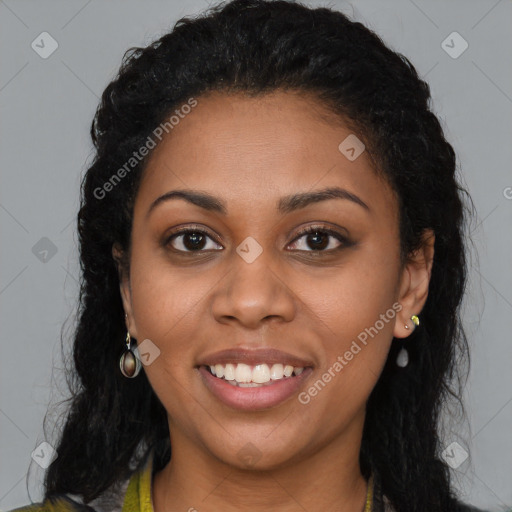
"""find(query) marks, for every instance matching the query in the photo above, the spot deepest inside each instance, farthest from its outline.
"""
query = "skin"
(249, 152)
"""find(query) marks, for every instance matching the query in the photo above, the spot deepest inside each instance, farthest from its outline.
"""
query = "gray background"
(46, 109)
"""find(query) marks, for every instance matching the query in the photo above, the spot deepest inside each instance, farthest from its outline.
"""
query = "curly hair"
(254, 47)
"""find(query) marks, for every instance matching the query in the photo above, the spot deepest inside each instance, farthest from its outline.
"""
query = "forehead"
(257, 149)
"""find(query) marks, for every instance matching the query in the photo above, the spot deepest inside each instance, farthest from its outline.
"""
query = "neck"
(328, 479)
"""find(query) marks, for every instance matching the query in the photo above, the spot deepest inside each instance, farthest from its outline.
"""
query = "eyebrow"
(286, 204)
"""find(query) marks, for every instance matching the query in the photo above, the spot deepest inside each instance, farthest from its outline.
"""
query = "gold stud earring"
(415, 320)
(402, 359)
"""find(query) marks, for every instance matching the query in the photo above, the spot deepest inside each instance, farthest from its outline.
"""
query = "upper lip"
(254, 357)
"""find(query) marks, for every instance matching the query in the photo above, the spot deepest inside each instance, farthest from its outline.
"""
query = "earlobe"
(414, 285)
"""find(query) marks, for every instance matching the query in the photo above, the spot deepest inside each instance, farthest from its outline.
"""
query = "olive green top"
(137, 497)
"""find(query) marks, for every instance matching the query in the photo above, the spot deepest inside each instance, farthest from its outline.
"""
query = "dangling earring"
(402, 359)
(129, 363)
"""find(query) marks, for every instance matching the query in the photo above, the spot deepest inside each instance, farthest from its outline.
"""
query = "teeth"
(276, 372)
(260, 374)
(246, 376)
(219, 370)
(243, 373)
(229, 372)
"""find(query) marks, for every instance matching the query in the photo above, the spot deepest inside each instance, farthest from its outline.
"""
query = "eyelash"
(344, 241)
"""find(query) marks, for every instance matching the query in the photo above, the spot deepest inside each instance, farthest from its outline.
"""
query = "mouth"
(253, 387)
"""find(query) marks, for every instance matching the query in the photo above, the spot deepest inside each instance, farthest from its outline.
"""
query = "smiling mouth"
(249, 376)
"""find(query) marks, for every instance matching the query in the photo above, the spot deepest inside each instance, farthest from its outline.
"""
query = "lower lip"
(253, 399)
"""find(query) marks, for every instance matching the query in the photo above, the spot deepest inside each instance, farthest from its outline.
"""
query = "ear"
(414, 284)
(125, 289)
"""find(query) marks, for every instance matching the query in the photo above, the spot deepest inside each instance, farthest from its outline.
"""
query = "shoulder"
(131, 494)
(59, 504)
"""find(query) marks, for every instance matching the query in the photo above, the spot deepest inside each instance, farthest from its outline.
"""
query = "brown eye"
(192, 240)
(317, 240)
(320, 239)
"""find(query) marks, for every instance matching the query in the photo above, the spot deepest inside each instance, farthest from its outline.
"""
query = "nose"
(252, 293)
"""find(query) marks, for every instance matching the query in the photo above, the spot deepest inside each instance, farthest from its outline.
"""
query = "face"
(225, 275)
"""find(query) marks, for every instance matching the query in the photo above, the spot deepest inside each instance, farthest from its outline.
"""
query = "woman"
(271, 239)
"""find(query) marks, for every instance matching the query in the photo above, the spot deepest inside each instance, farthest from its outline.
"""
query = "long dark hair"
(255, 47)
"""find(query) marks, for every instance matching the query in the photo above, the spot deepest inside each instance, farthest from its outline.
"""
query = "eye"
(316, 239)
(320, 239)
(191, 240)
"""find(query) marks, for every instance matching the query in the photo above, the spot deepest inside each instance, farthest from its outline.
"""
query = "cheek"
(356, 310)
(164, 298)
(165, 312)
(165, 305)
(351, 297)
(354, 354)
